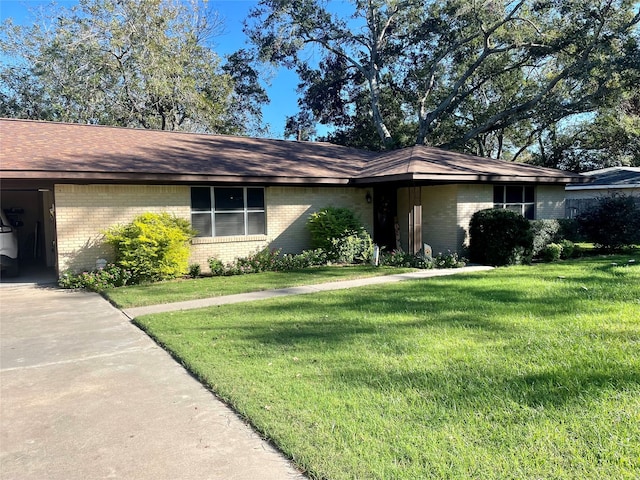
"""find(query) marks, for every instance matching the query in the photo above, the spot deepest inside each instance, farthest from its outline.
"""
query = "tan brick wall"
(439, 213)
(550, 201)
(288, 209)
(447, 211)
(471, 198)
(83, 212)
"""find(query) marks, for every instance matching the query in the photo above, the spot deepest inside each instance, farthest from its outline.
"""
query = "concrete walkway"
(323, 287)
(84, 395)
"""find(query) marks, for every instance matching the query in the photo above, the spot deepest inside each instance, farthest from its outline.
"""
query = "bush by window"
(500, 237)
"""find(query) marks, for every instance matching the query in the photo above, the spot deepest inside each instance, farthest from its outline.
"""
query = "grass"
(193, 289)
(521, 372)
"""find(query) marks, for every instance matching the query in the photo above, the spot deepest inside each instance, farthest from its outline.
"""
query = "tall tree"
(480, 75)
(610, 138)
(144, 63)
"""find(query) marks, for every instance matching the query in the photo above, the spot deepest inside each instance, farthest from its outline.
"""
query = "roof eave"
(466, 178)
(187, 179)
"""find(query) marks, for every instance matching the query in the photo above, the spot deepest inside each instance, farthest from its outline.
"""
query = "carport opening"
(31, 209)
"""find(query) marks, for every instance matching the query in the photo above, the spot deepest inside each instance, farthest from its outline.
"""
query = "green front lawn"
(193, 289)
(521, 372)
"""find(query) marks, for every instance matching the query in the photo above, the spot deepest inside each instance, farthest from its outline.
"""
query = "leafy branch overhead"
(133, 63)
(483, 76)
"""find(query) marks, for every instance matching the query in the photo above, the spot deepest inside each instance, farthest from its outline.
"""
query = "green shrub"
(613, 223)
(194, 270)
(308, 258)
(544, 232)
(354, 248)
(340, 233)
(153, 247)
(449, 260)
(217, 267)
(570, 229)
(568, 249)
(98, 280)
(551, 252)
(500, 237)
(267, 260)
(330, 223)
(400, 258)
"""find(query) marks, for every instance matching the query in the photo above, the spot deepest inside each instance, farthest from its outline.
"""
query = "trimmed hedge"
(500, 237)
(614, 223)
(153, 247)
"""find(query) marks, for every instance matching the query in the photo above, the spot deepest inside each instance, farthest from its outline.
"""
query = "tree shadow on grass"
(475, 389)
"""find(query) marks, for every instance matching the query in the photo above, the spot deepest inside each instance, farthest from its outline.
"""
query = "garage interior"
(31, 206)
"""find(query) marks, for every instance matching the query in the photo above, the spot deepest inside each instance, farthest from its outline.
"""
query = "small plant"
(267, 260)
(544, 232)
(449, 260)
(354, 248)
(194, 270)
(98, 280)
(551, 253)
(400, 258)
(568, 249)
(308, 258)
(217, 267)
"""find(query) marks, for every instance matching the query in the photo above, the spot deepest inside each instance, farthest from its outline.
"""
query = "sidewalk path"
(322, 287)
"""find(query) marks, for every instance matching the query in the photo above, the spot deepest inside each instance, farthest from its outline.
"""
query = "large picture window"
(227, 211)
(518, 198)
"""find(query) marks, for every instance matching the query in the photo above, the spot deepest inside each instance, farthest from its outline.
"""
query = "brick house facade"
(80, 180)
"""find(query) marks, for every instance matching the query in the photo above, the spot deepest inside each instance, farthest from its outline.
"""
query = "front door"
(385, 217)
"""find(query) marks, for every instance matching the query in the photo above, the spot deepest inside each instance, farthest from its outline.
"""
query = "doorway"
(385, 217)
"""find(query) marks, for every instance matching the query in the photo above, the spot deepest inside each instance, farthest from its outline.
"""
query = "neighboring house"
(605, 182)
(242, 194)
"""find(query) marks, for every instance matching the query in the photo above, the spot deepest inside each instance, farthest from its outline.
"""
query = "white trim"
(600, 187)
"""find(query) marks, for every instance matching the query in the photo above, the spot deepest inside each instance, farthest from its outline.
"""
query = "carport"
(31, 203)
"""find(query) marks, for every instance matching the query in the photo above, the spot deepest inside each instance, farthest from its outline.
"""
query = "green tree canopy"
(483, 76)
(133, 63)
(610, 138)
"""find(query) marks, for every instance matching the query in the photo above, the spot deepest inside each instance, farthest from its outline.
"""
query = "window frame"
(245, 211)
(522, 204)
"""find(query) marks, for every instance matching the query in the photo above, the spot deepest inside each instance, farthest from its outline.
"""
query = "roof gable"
(435, 164)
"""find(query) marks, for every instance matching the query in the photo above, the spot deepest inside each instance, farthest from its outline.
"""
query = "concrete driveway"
(84, 394)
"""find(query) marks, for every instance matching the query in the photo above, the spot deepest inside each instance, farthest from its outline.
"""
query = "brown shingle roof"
(30, 148)
(75, 152)
(421, 163)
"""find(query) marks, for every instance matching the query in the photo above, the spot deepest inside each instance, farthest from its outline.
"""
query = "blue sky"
(283, 83)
